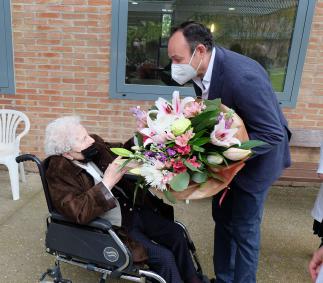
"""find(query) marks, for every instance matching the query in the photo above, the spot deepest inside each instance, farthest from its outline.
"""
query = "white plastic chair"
(10, 143)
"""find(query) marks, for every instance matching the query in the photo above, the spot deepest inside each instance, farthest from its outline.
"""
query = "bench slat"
(306, 137)
(304, 165)
(301, 172)
(304, 171)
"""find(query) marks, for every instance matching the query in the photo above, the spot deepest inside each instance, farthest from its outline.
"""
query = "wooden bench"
(303, 171)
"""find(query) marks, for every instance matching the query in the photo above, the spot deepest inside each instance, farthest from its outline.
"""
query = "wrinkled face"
(82, 140)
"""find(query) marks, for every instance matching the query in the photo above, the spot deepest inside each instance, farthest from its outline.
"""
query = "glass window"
(271, 32)
(6, 65)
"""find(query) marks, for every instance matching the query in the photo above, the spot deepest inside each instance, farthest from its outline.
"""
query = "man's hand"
(113, 174)
(316, 263)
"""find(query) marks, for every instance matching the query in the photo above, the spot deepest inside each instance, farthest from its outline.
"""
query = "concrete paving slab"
(287, 240)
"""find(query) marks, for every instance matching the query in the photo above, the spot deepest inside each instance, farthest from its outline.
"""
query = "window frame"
(120, 90)
(7, 84)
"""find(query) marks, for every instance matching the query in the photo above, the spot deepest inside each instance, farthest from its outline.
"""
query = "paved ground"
(287, 240)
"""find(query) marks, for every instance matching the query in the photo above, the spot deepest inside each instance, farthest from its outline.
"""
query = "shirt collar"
(208, 75)
(205, 83)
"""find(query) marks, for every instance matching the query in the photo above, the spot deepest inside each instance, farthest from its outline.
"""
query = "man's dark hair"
(195, 33)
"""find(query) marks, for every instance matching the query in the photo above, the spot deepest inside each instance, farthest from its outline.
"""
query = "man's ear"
(68, 156)
(201, 48)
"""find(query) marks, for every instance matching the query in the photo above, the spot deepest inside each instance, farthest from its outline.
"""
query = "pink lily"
(154, 137)
(176, 108)
(221, 136)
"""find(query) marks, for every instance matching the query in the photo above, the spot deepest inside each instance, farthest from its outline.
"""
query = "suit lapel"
(217, 75)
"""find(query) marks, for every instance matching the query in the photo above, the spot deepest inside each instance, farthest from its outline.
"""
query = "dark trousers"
(168, 253)
(237, 234)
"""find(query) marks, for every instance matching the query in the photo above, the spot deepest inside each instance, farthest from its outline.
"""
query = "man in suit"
(243, 85)
(85, 182)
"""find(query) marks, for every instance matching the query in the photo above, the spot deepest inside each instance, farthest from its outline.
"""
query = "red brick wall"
(308, 113)
(61, 59)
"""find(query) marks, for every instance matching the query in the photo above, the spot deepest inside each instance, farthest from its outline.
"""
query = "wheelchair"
(94, 246)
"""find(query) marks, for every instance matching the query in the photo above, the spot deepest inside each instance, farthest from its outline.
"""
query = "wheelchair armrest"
(98, 223)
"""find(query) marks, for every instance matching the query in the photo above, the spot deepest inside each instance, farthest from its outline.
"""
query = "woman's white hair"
(60, 135)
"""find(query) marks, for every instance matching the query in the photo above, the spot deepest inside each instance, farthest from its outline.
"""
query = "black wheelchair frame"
(94, 246)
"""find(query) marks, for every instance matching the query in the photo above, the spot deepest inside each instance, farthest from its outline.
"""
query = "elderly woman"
(85, 182)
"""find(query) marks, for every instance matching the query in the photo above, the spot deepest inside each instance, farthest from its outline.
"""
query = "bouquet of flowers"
(188, 148)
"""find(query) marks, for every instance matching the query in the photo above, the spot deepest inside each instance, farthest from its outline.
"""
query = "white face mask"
(182, 73)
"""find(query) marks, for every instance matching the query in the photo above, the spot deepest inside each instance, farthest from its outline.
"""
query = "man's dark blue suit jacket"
(243, 85)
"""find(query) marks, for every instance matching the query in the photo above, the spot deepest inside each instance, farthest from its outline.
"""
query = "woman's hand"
(113, 173)
(316, 264)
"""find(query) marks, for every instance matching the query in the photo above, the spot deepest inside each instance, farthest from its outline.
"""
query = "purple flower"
(220, 117)
(170, 152)
(150, 154)
(162, 157)
(228, 123)
(141, 117)
(228, 120)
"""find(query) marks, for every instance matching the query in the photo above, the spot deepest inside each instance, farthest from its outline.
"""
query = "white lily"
(162, 123)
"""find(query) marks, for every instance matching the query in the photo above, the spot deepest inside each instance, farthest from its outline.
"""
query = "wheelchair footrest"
(54, 273)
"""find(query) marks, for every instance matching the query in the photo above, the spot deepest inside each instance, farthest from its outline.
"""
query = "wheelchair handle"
(31, 157)
(28, 157)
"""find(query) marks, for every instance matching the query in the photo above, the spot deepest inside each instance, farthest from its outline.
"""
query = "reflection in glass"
(262, 30)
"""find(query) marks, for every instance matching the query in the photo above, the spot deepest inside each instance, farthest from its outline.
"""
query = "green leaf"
(202, 157)
(200, 141)
(180, 182)
(252, 143)
(203, 118)
(121, 151)
(169, 196)
(153, 107)
(198, 134)
(135, 194)
(225, 162)
(199, 177)
(139, 183)
(170, 143)
(206, 125)
(191, 167)
(139, 138)
(207, 119)
(152, 115)
(212, 105)
(124, 164)
(197, 148)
